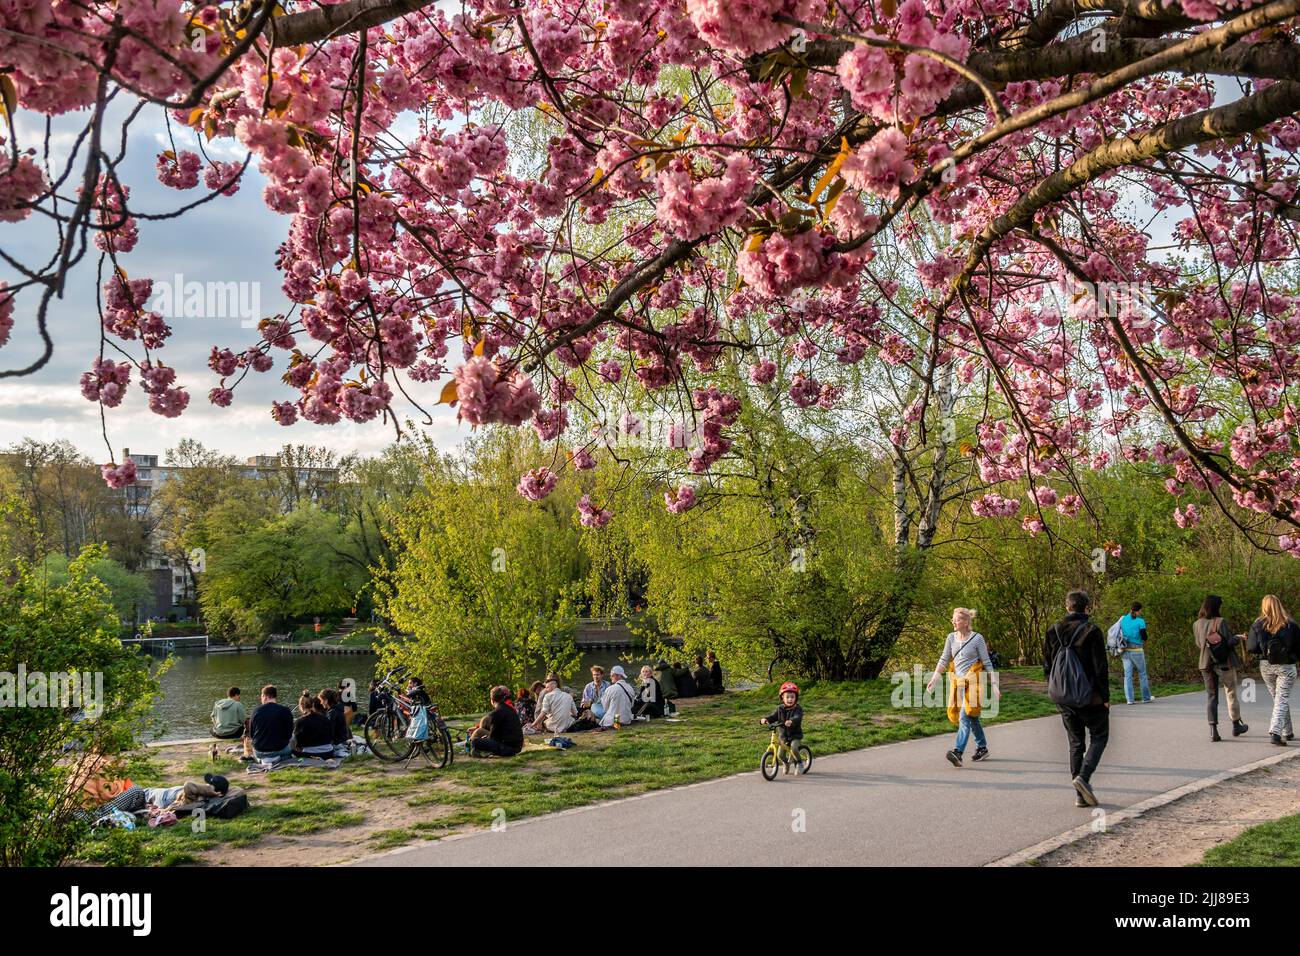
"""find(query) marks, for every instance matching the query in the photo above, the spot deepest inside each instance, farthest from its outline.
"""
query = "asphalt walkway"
(894, 805)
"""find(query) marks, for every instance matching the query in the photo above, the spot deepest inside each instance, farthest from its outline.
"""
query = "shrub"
(49, 752)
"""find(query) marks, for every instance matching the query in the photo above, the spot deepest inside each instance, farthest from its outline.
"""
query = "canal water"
(196, 679)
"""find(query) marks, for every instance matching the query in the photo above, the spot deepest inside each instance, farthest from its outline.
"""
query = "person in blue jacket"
(1134, 630)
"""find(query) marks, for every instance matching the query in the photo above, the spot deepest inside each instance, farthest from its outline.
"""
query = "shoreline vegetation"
(313, 816)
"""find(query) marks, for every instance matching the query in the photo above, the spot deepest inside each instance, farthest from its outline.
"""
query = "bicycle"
(780, 754)
(385, 729)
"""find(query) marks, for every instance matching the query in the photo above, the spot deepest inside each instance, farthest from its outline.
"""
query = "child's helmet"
(790, 687)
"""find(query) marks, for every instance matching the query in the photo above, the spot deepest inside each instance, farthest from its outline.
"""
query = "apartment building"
(173, 578)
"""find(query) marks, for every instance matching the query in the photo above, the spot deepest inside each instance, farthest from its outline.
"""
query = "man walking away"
(1134, 630)
(1075, 647)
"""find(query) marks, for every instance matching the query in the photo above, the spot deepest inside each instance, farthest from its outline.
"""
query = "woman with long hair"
(1220, 664)
(1276, 639)
(312, 734)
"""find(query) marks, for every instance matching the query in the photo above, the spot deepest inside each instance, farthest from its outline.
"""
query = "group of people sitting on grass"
(606, 703)
(322, 727)
(271, 732)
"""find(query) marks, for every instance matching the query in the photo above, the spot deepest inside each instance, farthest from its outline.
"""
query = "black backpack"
(1068, 685)
(1277, 647)
(226, 807)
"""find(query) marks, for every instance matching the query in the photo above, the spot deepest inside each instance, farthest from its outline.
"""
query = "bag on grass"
(228, 807)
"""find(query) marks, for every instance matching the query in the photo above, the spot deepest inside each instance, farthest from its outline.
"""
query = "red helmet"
(790, 687)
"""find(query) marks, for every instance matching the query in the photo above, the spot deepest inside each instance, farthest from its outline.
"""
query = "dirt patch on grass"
(1179, 833)
(888, 720)
(379, 794)
(1010, 680)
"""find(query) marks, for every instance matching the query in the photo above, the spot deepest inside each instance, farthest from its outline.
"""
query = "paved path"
(900, 804)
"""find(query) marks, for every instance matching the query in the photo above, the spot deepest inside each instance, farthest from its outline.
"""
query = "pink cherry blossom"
(680, 499)
(537, 483)
(590, 516)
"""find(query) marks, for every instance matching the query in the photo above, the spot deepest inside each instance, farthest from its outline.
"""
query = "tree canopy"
(502, 204)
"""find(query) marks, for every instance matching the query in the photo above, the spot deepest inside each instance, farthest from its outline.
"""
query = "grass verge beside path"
(1269, 844)
(323, 816)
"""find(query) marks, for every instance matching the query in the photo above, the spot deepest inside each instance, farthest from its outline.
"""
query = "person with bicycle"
(417, 694)
(787, 718)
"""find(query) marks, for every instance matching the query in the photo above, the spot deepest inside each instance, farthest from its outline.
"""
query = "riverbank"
(319, 816)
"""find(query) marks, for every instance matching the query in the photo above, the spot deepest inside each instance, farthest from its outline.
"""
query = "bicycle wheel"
(451, 748)
(769, 765)
(386, 735)
(437, 749)
(803, 760)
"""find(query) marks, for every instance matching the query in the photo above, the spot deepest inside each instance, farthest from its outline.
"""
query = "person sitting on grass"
(270, 729)
(526, 702)
(684, 680)
(416, 692)
(649, 696)
(347, 700)
(594, 692)
(229, 716)
(664, 673)
(499, 733)
(556, 710)
(617, 702)
(715, 672)
(312, 734)
(703, 678)
(332, 703)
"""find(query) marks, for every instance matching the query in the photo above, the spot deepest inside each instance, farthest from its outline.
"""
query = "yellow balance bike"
(779, 754)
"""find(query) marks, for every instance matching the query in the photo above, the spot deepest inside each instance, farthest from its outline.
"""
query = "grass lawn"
(1270, 844)
(315, 815)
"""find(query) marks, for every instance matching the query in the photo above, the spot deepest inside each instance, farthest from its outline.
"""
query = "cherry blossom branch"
(883, 43)
(1202, 458)
(326, 22)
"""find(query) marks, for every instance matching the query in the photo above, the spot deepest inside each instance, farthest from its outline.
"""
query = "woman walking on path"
(1219, 664)
(1276, 639)
(966, 656)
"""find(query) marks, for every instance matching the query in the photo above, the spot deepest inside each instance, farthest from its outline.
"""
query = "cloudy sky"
(231, 239)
